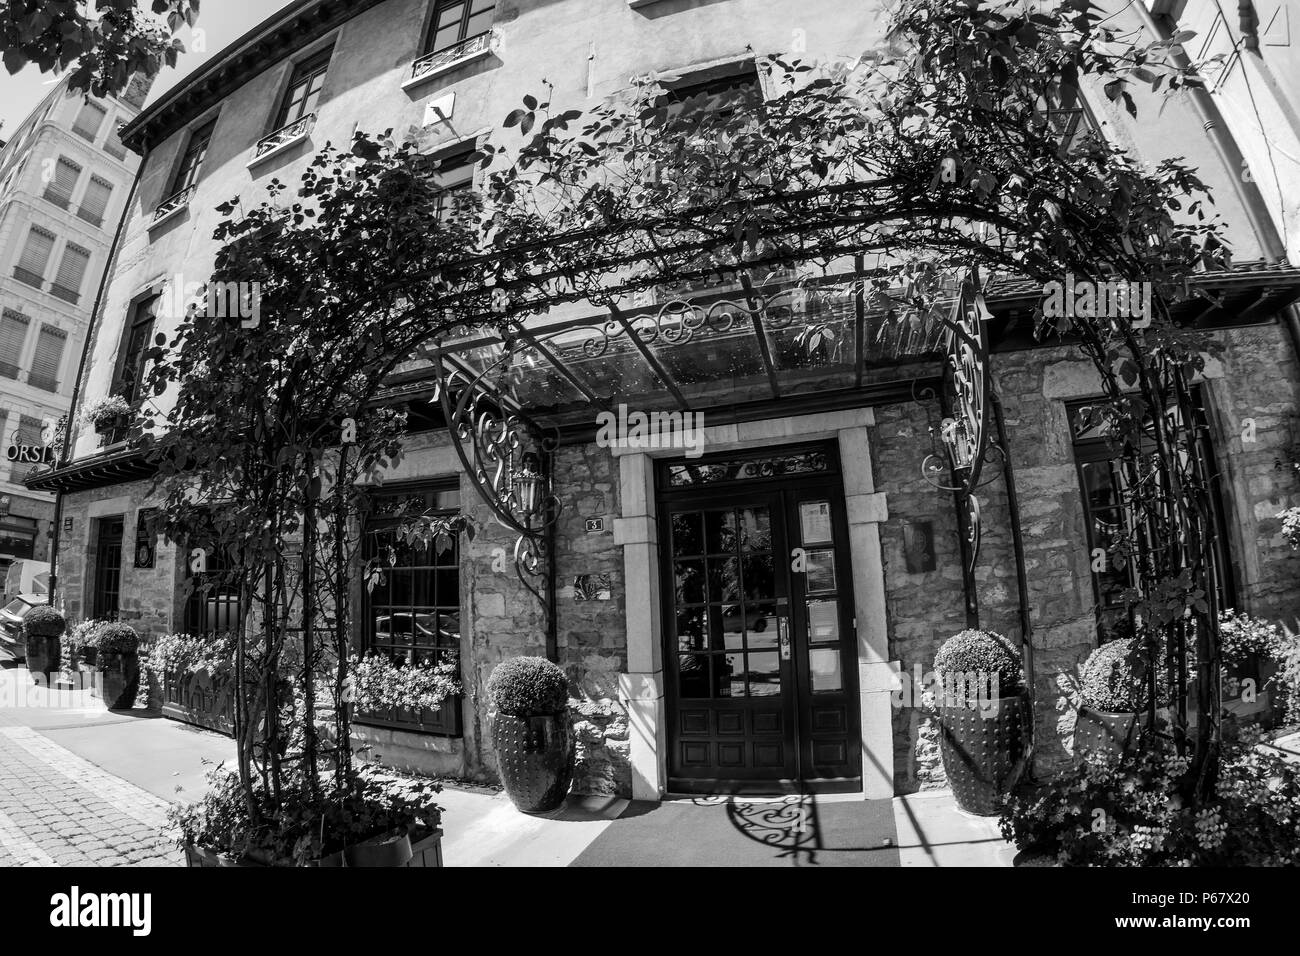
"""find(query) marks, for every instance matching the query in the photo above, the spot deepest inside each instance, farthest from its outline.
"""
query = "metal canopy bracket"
(508, 458)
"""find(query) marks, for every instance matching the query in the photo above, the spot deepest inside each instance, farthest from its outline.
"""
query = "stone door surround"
(636, 531)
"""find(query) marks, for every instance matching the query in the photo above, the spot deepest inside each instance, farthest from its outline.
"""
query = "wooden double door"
(760, 647)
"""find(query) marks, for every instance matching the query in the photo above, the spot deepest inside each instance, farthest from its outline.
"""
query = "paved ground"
(80, 785)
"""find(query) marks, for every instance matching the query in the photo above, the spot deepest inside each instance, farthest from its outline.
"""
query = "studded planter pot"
(120, 674)
(984, 751)
(1100, 731)
(535, 758)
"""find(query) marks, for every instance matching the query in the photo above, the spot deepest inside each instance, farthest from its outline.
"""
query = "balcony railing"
(432, 64)
(58, 198)
(8, 370)
(173, 204)
(117, 152)
(285, 135)
(67, 295)
(90, 216)
(44, 382)
(34, 279)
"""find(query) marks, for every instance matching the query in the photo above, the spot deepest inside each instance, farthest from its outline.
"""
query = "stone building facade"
(635, 522)
(64, 176)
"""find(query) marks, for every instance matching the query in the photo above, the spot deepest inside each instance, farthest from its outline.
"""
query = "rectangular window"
(48, 358)
(95, 202)
(60, 189)
(304, 89)
(137, 341)
(212, 607)
(89, 119)
(13, 336)
(72, 270)
(455, 174)
(1104, 482)
(412, 616)
(108, 569)
(113, 144)
(187, 174)
(455, 21)
(35, 257)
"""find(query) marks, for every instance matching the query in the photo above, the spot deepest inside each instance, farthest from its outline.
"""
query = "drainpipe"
(66, 452)
(1225, 146)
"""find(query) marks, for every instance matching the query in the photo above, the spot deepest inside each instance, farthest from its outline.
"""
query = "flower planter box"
(119, 680)
(200, 699)
(379, 852)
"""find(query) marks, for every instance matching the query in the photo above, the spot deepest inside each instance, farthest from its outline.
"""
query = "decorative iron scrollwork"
(507, 457)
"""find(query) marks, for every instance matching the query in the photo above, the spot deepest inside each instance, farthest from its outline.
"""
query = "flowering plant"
(376, 683)
(1128, 810)
(303, 824)
(103, 412)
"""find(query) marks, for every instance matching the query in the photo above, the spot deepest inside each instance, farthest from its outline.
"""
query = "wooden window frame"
(462, 36)
(303, 72)
(446, 720)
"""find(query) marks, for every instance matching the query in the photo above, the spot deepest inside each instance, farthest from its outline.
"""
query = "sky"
(220, 22)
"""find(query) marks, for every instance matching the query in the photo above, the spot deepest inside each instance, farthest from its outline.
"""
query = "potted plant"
(117, 660)
(44, 626)
(1113, 693)
(107, 414)
(81, 640)
(531, 732)
(372, 819)
(983, 718)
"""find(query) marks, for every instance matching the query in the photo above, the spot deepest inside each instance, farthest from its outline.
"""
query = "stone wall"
(1254, 430)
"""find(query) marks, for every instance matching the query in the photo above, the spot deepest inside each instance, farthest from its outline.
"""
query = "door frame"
(642, 685)
(784, 494)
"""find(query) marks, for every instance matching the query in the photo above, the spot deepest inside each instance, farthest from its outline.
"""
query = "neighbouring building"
(701, 659)
(64, 178)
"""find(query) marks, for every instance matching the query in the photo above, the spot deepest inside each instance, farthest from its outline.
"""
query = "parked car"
(13, 646)
(26, 576)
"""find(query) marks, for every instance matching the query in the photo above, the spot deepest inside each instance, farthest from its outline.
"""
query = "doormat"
(731, 831)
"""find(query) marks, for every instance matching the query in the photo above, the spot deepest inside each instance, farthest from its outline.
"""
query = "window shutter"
(72, 269)
(66, 174)
(48, 358)
(36, 253)
(13, 335)
(89, 119)
(95, 202)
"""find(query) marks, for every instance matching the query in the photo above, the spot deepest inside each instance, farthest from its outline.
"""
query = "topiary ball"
(528, 687)
(44, 621)
(972, 654)
(116, 638)
(1113, 678)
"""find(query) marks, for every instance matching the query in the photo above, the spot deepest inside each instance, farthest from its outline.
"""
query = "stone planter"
(1104, 732)
(984, 751)
(119, 680)
(535, 758)
(392, 850)
(43, 656)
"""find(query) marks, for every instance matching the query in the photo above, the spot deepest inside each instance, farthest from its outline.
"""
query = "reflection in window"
(412, 615)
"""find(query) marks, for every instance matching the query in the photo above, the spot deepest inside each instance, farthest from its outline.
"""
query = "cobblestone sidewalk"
(58, 809)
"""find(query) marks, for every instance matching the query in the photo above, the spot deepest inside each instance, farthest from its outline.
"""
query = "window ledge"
(164, 212)
(635, 4)
(283, 139)
(426, 68)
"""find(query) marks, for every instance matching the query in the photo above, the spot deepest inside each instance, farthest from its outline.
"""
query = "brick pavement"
(59, 809)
